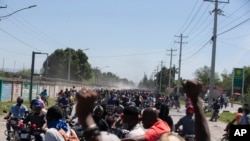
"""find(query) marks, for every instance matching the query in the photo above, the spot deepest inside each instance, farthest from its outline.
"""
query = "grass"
(224, 116)
(7, 105)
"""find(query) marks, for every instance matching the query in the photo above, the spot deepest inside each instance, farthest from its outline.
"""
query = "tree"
(58, 65)
(203, 75)
(226, 82)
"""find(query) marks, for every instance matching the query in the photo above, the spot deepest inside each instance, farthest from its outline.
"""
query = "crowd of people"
(126, 115)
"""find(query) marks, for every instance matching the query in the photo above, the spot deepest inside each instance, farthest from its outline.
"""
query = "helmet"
(190, 110)
(19, 100)
(37, 103)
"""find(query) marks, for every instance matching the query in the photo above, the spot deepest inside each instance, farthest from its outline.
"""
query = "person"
(57, 128)
(171, 137)
(187, 123)
(232, 101)
(17, 111)
(237, 116)
(245, 118)
(193, 89)
(216, 109)
(44, 96)
(97, 115)
(155, 127)
(131, 118)
(36, 117)
(164, 115)
(86, 100)
(38, 97)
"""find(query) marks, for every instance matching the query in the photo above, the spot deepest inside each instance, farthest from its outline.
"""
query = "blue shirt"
(18, 111)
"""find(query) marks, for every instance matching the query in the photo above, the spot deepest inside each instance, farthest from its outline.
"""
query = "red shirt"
(156, 130)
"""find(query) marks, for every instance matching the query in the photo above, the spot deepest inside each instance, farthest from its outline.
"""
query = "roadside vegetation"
(7, 105)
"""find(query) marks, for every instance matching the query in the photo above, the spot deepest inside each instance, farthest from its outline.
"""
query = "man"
(132, 121)
(36, 117)
(187, 122)
(58, 129)
(237, 116)
(154, 125)
(245, 118)
(193, 89)
(216, 110)
(17, 111)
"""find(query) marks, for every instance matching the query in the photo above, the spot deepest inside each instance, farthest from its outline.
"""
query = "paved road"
(216, 128)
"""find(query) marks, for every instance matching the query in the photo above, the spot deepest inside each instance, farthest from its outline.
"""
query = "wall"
(10, 89)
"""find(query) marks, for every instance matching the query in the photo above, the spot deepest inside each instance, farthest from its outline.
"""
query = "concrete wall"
(10, 89)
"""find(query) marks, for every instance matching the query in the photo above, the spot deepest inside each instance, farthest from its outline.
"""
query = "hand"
(86, 99)
(192, 88)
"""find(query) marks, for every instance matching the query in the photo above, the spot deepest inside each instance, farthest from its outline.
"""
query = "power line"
(23, 42)
(233, 27)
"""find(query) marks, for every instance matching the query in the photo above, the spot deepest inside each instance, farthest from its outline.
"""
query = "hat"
(190, 110)
(54, 113)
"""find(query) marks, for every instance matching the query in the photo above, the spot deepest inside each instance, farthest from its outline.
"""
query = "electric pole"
(160, 77)
(179, 69)
(169, 77)
(214, 39)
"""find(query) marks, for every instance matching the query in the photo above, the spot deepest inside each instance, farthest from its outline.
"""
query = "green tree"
(58, 65)
(226, 82)
(203, 75)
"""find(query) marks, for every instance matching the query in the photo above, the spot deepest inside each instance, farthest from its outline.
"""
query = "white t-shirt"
(52, 134)
(138, 130)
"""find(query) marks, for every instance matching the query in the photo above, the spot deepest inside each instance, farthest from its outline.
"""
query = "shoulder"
(106, 136)
(52, 134)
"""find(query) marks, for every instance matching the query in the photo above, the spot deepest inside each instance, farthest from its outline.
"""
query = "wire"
(23, 42)
(125, 55)
(233, 27)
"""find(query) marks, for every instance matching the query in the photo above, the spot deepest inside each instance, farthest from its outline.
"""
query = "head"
(54, 113)
(38, 97)
(190, 110)
(171, 137)
(98, 111)
(240, 110)
(164, 111)
(19, 100)
(37, 106)
(130, 116)
(149, 117)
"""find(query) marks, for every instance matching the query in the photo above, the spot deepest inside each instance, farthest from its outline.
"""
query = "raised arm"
(193, 89)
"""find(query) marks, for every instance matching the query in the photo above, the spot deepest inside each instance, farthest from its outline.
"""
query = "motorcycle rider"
(216, 110)
(17, 111)
(187, 122)
(44, 96)
(36, 117)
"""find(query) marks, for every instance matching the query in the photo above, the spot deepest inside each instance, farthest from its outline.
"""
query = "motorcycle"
(225, 136)
(77, 128)
(14, 133)
(187, 137)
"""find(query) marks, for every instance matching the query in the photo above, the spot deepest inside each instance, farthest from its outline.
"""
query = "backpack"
(72, 137)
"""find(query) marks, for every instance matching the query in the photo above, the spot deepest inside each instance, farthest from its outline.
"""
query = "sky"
(129, 38)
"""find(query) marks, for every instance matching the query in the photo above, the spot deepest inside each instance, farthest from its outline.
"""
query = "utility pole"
(179, 69)
(169, 77)
(3, 67)
(69, 59)
(156, 80)
(214, 39)
(160, 77)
